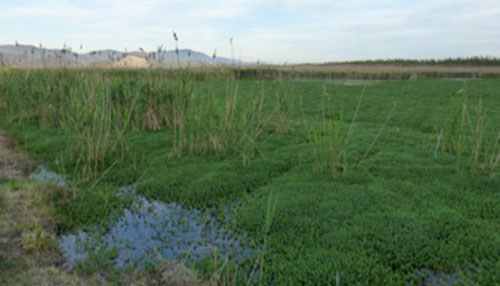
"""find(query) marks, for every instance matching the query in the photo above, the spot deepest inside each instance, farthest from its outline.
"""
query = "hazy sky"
(267, 30)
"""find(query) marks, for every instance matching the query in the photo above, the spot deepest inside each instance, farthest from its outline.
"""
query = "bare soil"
(12, 165)
(132, 62)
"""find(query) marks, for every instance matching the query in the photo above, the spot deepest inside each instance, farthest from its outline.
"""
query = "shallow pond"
(433, 278)
(151, 231)
(43, 174)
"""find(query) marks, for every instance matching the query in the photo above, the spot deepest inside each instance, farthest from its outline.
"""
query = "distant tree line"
(469, 61)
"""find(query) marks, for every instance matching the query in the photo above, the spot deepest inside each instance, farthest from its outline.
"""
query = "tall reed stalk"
(330, 142)
(94, 126)
(219, 125)
(281, 106)
(471, 139)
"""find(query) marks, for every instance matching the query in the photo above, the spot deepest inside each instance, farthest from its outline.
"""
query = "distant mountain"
(27, 56)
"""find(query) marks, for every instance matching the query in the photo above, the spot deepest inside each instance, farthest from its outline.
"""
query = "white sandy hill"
(130, 61)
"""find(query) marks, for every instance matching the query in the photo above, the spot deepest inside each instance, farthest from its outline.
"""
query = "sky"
(272, 31)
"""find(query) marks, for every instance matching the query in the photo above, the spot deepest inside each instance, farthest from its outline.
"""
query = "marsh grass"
(165, 104)
(329, 143)
(485, 143)
(380, 247)
(229, 272)
(218, 125)
(18, 107)
(471, 138)
(452, 139)
(282, 106)
(95, 126)
(96, 109)
(270, 216)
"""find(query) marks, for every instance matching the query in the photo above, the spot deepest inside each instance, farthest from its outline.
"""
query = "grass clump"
(330, 142)
(94, 127)
(472, 138)
(282, 106)
(218, 125)
(165, 104)
(35, 238)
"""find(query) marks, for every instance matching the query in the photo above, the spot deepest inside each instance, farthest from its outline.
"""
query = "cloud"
(47, 9)
(271, 30)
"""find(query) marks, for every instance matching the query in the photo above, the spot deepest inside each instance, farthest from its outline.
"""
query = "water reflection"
(151, 231)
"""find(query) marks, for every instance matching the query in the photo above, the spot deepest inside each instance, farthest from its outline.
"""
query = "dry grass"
(376, 68)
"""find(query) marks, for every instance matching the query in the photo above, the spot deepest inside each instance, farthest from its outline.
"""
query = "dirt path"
(12, 165)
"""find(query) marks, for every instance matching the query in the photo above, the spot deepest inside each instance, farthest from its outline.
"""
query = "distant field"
(394, 182)
(401, 68)
(372, 71)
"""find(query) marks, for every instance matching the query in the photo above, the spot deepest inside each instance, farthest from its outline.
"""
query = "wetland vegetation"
(389, 183)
